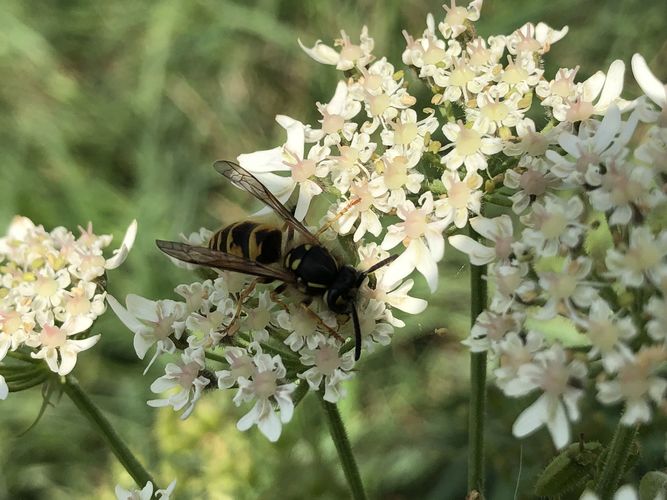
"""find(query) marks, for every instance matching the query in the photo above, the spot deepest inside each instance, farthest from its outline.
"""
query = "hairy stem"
(478, 384)
(103, 426)
(340, 439)
(617, 458)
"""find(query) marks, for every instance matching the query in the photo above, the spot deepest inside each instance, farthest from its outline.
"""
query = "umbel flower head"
(580, 237)
(50, 290)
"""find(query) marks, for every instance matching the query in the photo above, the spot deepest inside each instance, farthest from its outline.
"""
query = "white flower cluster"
(583, 243)
(260, 343)
(589, 255)
(50, 292)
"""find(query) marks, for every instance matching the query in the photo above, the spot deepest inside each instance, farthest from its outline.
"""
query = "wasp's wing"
(244, 179)
(220, 260)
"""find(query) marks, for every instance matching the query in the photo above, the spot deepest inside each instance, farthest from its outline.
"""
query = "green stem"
(103, 426)
(19, 386)
(23, 357)
(617, 458)
(477, 385)
(215, 357)
(340, 439)
(24, 375)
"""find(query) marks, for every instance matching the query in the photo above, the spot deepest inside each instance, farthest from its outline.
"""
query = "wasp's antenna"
(380, 264)
(357, 333)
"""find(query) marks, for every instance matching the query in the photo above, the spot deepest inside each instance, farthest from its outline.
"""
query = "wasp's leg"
(321, 323)
(275, 296)
(340, 213)
(245, 293)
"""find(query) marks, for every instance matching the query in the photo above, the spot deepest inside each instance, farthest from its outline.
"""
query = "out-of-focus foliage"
(115, 110)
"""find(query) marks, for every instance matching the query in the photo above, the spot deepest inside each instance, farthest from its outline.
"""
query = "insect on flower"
(258, 249)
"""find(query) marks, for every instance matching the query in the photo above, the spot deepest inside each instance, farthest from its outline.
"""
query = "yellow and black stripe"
(250, 240)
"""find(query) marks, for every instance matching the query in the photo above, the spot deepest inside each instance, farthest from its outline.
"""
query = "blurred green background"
(116, 110)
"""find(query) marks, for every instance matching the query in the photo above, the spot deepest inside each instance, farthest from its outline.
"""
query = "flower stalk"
(103, 426)
(477, 384)
(340, 439)
(616, 460)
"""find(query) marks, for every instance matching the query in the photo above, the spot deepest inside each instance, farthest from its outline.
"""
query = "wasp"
(257, 249)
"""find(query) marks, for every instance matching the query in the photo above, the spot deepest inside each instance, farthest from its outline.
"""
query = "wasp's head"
(343, 291)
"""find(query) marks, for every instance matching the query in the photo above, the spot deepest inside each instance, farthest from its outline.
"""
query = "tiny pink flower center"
(561, 88)
(434, 54)
(553, 225)
(332, 123)
(327, 360)
(188, 375)
(528, 44)
(405, 133)
(456, 16)
(468, 142)
(361, 191)
(643, 257)
(242, 367)
(555, 379)
(415, 224)
(264, 384)
(504, 247)
(378, 104)
(163, 327)
(258, 319)
(52, 337)
(479, 55)
(533, 183)
(579, 111)
(496, 111)
(514, 74)
(303, 170)
(11, 322)
(78, 305)
(46, 287)
(634, 381)
(351, 52)
(459, 194)
(303, 324)
(509, 282)
(603, 334)
(396, 173)
(373, 83)
(91, 262)
(460, 76)
(348, 157)
(534, 144)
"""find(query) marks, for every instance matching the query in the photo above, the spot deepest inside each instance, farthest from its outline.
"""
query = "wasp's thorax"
(318, 273)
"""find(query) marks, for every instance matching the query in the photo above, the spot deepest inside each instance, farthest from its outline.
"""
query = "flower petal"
(648, 82)
(478, 253)
(320, 52)
(125, 247)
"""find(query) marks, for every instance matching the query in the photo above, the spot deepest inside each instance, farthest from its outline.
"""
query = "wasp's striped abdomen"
(251, 240)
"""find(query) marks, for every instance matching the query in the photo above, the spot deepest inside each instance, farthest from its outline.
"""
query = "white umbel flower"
(558, 403)
(183, 381)
(421, 233)
(328, 366)
(263, 386)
